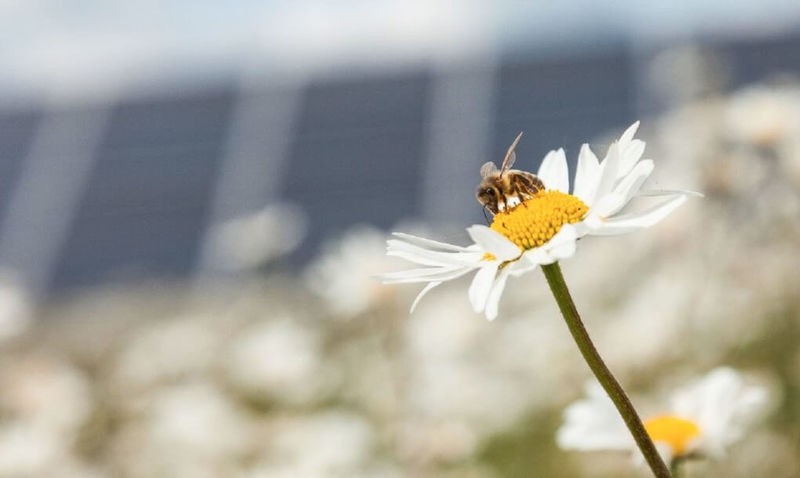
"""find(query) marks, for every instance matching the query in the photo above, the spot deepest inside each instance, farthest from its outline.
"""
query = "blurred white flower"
(16, 309)
(45, 391)
(703, 419)
(258, 238)
(44, 402)
(790, 160)
(450, 376)
(430, 441)
(544, 227)
(482, 375)
(476, 393)
(299, 470)
(195, 420)
(188, 430)
(735, 173)
(28, 449)
(279, 360)
(166, 350)
(75, 467)
(439, 332)
(344, 275)
(328, 443)
(763, 115)
(645, 327)
(272, 470)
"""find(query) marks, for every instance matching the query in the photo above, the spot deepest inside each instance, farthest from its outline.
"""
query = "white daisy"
(543, 229)
(703, 419)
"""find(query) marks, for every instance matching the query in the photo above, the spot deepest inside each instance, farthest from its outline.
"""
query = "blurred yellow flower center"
(536, 220)
(675, 431)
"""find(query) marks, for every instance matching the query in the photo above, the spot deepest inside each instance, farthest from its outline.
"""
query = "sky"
(54, 50)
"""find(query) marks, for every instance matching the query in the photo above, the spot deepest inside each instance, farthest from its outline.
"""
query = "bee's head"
(488, 195)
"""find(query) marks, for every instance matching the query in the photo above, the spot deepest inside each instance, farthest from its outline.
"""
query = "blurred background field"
(194, 198)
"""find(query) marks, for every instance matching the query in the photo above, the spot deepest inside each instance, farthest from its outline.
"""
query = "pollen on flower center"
(536, 220)
(675, 431)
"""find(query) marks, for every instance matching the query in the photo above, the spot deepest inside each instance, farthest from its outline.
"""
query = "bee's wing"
(511, 156)
(488, 169)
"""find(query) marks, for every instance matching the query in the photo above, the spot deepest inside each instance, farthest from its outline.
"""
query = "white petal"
(629, 156)
(629, 133)
(520, 267)
(448, 261)
(669, 192)
(593, 423)
(554, 172)
(631, 222)
(426, 274)
(581, 229)
(631, 183)
(562, 245)
(607, 205)
(421, 294)
(611, 203)
(493, 242)
(608, 177)
(493, 302)
(412, 273)
(481, 286)
(419, 255)
(537, 257)
(597, 226)
(586, 174)
(423, 242)
(722, 405)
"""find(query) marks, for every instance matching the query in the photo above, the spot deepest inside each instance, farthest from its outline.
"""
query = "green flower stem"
(561, 293)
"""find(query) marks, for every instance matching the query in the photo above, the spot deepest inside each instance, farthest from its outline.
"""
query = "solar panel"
(356, 154)
(16, 133)
(562, 103)
(145, 206)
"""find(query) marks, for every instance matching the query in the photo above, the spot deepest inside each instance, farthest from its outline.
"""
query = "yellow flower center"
(536, 220)
(675, 431)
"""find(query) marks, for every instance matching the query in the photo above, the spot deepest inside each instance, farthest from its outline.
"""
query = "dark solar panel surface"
(145, 206)
(562, 104)
(751, 61)
(357, 153)
(16, 132)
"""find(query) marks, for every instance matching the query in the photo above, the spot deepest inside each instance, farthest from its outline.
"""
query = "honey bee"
(506, 188)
